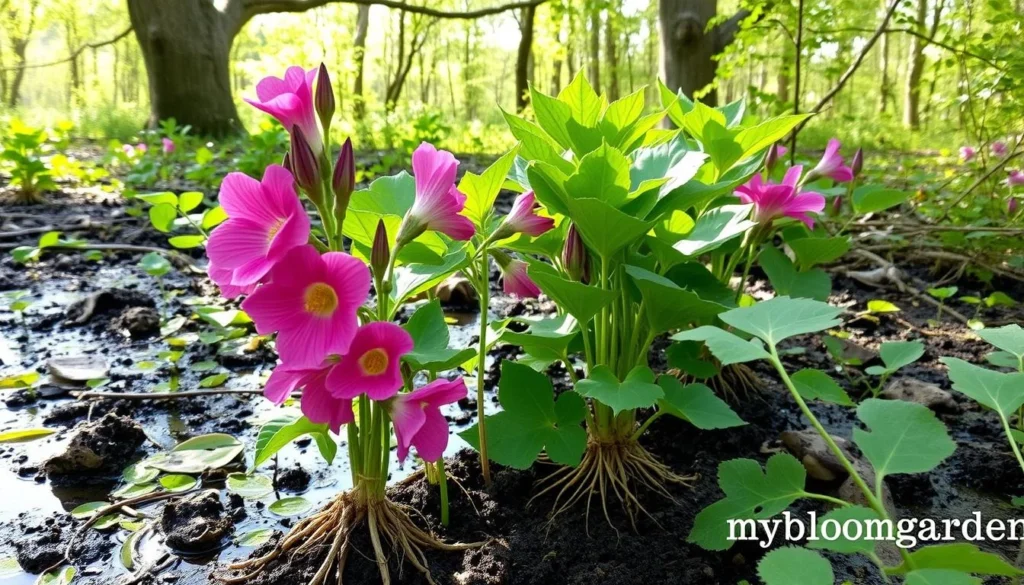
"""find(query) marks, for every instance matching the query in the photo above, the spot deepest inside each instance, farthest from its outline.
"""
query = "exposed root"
(734, 382)
(610, 469)
(391, 529)
(22, 197)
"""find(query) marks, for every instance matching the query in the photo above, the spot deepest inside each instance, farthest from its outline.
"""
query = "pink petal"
(348, 379)
(408, 418)
(434, 171)
(432, 438)
(273, 307)
(349, 276)
(793, 176)
(320, 407)
(806, 201)
(842, 175)
(292, 233)
(282, 383)
(238, 242)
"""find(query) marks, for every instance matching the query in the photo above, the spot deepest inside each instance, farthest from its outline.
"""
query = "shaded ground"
(524, 548)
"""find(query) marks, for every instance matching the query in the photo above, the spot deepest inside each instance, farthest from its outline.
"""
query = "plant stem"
(483, 291)
(1013, 444)
(640, 431)
(442, 478)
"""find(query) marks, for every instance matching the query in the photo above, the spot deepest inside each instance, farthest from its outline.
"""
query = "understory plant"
(638, 210)
(897, 437)
(22, 155)
(361, 374)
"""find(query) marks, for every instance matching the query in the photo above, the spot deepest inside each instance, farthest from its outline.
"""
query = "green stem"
(483, 291)
(824, 498)
(442, 479)
(354, 452)
(640, 431)
(1013, 444)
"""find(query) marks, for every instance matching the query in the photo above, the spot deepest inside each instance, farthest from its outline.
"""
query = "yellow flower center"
(374, 362)
(320, 299)
(276, 227)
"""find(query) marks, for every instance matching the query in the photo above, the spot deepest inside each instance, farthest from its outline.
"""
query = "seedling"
(895, 355)
(23, 154)
(941, 294)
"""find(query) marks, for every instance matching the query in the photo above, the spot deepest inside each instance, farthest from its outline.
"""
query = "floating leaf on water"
(178, 482)
(25, 380)
(108, 521)
(135, 490)
(214, 380)
(204, 366)
(88, 510)
(127, 551)
(250, 486)
(295, 506)
(9, 567)
(139, 473)
(255, 538)
(198, 454)
(62, 576)
(25, 435)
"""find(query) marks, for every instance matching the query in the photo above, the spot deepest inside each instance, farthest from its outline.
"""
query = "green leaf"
(860, 515)
(962, 557)
(139, 473)
(430, 336)
(48, 239)
(9, 567)
(814, 284)
(897, 354)
(282, 430)
(673, 160)
(415, 278)
(178, 482)
(604, 229)
(214, 380)
(189, 200)
(638, 390)
(198, 454)
(24, 435)
(546, 338)
(782, 317)
(579, 300)
(62, 576)
(905, 437)
(155, 264)
(135, 490)
(88, 510)
(255, 538)
(940, 577)
(943, 293)
(531, 420)
(187, 242)
(162, 216)
(714, 228)
(584, 103)
(727, 347)
(763, 135)
(250, 486)
(669, 307)
(286, 507)
(603, 175)
(817, 385)
(552, 116)
(697, 404)
(813, 251)
(1009, 338)
(214, 217)
(875, 198)
(878, 306)
(750, 494)
(795, 566)
(1002, 392)
(482, 190)
(126, 553)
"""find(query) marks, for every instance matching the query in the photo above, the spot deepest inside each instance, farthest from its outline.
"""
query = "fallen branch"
(893, 275)
(86, 224)
(87, 395)
(173, 255)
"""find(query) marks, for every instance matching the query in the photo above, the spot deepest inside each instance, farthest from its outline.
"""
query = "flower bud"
(575, 258)
(772, 158)
(1011, 206)
(323, 99)
(380, 254)
(305, 166)
(857, 164)
(837, 206)
(344, 180)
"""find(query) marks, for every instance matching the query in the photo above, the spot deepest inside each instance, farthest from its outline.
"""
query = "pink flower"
(998, 148)
(1015, 178)
(522, 218)
(141, 148)
(265, 221)
(515, 281)
(128, 149)
(311, 302)
(372, 364)
(772, 201)
(967, 153)
(418, 419)
(438, 201)
(168, 145)
(222, 277)
(290, 100)
(831, 165)
(1012, 205)
(317, 403)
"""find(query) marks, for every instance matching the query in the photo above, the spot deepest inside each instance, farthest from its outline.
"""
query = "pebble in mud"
(101, 448)
(77, 369)
(923, 393)
(808, 446)
(137, 322)
(195, 523)
(103, 302)
(292, 479)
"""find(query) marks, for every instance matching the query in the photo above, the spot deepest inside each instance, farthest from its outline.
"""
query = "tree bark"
(523, 57)
(611, 53)
(912, 93)
(359, 55)
(594, 62)
(687, 47)
(20, 47)
(186, 44)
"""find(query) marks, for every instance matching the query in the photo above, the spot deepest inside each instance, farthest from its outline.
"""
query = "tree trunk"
(687, 47)
(523, 57)
(186, 44)
(612, 54)
(912, 94)
(884, 91)
(594, 64)
(359, 54)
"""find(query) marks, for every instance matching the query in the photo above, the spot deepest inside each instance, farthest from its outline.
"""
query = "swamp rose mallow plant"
(419, 421)
(999, 148)
(438, 202)
(290, 101)
(967, 153)
(772, 201)
(831, 165)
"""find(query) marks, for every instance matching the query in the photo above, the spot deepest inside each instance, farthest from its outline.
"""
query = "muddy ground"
(523, 548)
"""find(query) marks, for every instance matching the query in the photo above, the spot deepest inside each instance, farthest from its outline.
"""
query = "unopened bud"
(323, 99)
(380, 254)
(857, 164)
(344, 180)
(575, 258)
(837, 206)
(305, 166)
(772, 158)
(1011, 206)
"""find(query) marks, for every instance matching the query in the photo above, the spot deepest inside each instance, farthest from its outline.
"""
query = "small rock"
(456, 291)
(293, 479)
(100, 448)
(195, 523)
(105, 301)
(923, 393)
(854, 351)
(808, 446)
(139, 322)
(77, 369)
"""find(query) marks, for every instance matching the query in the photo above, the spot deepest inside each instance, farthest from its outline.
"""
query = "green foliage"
(905, 437)
(23, 155)
(282, 430)
(795, 566)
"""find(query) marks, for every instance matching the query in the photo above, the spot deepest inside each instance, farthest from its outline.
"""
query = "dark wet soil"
(105, 308)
